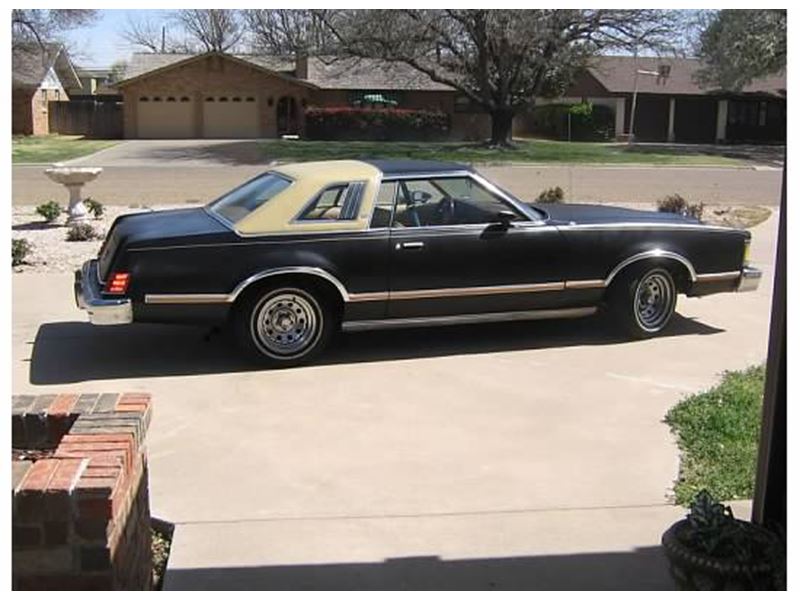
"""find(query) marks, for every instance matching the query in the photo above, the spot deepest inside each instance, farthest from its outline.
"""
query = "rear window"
(237, 204)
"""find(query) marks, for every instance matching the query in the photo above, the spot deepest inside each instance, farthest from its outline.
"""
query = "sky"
(100, 45)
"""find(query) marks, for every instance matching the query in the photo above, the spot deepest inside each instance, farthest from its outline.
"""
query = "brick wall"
(21, 103)
(81, 517)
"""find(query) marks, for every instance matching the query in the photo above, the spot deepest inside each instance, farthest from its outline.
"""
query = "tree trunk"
(502, 121)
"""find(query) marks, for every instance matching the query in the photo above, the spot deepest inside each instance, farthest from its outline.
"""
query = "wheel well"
(326, 290)
(680, 272)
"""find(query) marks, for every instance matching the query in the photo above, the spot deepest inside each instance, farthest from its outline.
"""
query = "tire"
(283, 326)
(642, 300)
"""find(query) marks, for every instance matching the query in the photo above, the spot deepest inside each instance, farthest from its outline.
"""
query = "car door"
(459, 246)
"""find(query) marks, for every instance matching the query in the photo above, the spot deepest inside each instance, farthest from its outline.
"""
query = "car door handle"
(409, 246)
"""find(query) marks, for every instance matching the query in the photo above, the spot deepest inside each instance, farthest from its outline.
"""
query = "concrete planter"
(695, 570)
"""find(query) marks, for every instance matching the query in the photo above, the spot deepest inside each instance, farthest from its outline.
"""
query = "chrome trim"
(487, 290)
(528, 315)
(101, 311)
(750, 278)
(369, 296)
(644, 226)
(657, 253)
(316, 271)
(585, 284)
(185, 298)
(709, 277)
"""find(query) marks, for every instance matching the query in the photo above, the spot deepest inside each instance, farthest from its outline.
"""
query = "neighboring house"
(95, 84)
(219, 95)
(672, 107)
(39, 75)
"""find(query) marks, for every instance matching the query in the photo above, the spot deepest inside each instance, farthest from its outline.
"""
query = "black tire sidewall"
(247, 338)
(623, 299)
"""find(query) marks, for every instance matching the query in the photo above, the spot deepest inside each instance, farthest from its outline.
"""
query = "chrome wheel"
(286, 323)
(654, 300)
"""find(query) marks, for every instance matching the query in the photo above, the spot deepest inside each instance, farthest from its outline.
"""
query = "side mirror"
(505, 217)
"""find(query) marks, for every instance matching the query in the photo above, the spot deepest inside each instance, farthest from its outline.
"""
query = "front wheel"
(643, 300)
(284, 326)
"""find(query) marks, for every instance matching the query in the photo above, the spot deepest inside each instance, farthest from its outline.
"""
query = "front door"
(458, 247)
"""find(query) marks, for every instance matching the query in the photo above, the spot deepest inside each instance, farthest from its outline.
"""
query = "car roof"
(414, 167)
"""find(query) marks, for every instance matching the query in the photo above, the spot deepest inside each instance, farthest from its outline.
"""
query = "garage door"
(234, 116)
(165, 117)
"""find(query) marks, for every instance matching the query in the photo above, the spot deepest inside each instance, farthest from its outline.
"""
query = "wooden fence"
(92, 119)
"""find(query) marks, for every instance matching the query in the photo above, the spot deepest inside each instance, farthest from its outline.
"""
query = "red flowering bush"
(348, 123)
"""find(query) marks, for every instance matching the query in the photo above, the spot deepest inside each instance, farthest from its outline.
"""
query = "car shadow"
(72, 352)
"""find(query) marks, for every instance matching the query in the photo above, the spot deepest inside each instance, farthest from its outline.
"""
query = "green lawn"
(525, 151)
(53, 148)
(718, 433)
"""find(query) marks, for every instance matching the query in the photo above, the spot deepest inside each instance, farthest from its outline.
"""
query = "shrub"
(82, 232)
(49, 210)
(678, 204)
(346, 123)
(94, 207)
(580, 122)
(551, 195)
(20, 248)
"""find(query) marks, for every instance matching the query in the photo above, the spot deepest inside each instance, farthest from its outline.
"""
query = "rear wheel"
(283, 326)
(642, 300)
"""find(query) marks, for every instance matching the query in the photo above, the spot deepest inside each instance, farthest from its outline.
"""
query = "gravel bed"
(53, 254)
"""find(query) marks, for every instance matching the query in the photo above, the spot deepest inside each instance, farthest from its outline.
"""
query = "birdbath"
(74, 178)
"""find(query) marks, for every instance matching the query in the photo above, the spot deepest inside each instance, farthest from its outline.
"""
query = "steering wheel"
(446, 210)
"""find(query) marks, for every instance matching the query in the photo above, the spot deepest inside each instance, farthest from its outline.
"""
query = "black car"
(303, 250)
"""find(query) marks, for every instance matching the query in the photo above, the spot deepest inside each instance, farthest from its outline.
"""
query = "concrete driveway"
(497, 456)
(174, 171)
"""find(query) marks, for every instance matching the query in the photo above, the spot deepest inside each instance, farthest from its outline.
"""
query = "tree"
(289, 31)
(741, 45)
(41, 26)
(213, 30)
(147, 34)
(499, 59)
(118, 70)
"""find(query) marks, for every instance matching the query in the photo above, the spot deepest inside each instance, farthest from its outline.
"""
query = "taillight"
(117, 283)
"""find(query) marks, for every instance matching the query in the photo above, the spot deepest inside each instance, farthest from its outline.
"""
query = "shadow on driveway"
(72, 352)
(245, 152)
(642, 569)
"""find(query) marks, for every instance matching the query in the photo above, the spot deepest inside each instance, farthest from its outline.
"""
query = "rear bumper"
(749, 279)
(88, 297)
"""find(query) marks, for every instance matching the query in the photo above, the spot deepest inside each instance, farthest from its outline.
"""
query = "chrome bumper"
(101, 311)
(749, 279)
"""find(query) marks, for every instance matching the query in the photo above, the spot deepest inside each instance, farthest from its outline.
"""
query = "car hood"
(594, 214)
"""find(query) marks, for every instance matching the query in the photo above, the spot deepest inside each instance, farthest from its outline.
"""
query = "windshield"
(237, 204)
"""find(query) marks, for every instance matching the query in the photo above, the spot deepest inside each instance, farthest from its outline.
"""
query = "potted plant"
(710, 549)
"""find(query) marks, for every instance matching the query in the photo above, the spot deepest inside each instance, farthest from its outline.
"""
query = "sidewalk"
(615, 548)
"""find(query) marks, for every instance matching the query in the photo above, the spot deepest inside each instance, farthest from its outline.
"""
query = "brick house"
(218, 95)
(39, 76)
(671, 106)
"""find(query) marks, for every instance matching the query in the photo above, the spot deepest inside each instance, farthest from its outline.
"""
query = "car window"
(446, 201)
(382, 214)
(240, 202)
(338, 202)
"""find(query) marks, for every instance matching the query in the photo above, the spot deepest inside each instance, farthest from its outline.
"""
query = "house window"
(223, 98)
(250, 99)
(156, 98)
(171, 99)
(184, 98)
(210, 99)
(144, 99)
(236, 99)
